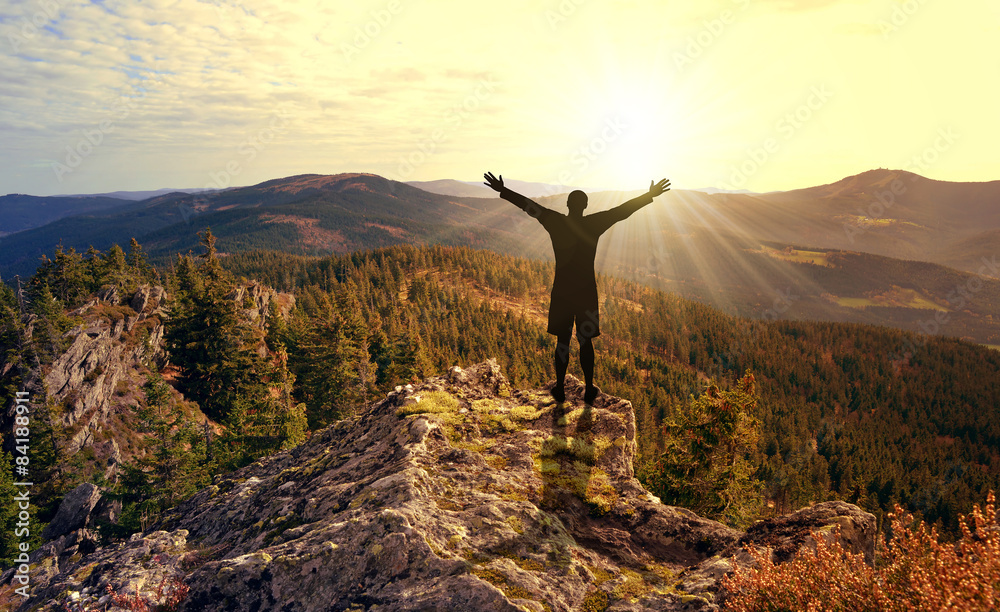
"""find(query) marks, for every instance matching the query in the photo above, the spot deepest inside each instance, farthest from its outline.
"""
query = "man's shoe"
(559, 393)
(591, 394)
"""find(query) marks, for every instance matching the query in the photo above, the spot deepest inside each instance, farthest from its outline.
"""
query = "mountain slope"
(893, 213)
(308, 214)
(19, 212)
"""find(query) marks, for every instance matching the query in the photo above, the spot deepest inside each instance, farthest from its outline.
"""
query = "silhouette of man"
(574, 291)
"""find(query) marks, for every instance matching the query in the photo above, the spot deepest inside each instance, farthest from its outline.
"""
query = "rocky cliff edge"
(457, 494)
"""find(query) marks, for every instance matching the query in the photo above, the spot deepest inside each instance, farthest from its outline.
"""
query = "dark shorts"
(566, 309)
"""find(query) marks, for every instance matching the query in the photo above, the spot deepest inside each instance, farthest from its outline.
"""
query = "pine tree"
(214, 348)
(707, 465)
(328, 370)
(68, 277)
(114, 270)
(13, 350)
(52, 323)
(177, 457)
(226, 367)
(137, 264)
(92, 265)
(11, 535)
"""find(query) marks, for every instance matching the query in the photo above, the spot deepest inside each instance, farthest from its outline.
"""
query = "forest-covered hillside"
(855, 412)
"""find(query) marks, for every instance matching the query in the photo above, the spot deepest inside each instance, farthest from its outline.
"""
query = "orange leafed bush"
(914, 572)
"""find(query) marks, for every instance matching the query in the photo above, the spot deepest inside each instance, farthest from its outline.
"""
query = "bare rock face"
(74, 511)
(100, 372)
(97, 371)
(457, 494)
(254, 301)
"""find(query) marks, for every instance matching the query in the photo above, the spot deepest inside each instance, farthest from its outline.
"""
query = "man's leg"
(587, 360)
(587, 365)
(562, 363)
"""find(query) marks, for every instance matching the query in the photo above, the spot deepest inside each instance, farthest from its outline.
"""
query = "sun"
(622, 122)
(642, 151)
(632, 127)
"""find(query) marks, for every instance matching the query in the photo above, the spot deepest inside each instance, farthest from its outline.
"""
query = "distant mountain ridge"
(897, 213)
(473, 189)
(19, 212)
(847, 251)
(136, 195)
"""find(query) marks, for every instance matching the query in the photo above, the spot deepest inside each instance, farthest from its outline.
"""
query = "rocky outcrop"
(121, 336)
(457, 494)
(787, 535)
(99, 370)
(255, 301)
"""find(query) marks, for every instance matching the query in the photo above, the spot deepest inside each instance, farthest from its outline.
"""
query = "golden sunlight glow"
(590, 94)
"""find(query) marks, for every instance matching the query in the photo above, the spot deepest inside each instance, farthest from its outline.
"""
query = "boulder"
(786, 536)
(73, 512)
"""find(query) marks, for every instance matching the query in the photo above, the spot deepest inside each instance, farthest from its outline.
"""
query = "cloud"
(185, 82)
(467, 75)
(173, 73)
(398, 74)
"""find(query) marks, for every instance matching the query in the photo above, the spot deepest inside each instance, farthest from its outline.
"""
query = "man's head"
(576, 202)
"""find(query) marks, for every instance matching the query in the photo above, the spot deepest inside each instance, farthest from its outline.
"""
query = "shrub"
(915, 570)
(93, 374)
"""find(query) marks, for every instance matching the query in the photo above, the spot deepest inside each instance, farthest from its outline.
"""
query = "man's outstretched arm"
(529, 206)
(624, 211)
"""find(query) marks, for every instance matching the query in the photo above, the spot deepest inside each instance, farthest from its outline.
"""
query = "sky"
(762, 95)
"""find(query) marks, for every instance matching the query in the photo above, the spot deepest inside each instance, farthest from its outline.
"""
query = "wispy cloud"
(181, 84)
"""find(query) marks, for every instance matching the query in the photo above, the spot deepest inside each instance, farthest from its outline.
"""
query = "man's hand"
(494, 183)
(658, 188)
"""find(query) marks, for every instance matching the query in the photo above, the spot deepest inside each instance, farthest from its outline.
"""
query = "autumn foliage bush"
(914, 572)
